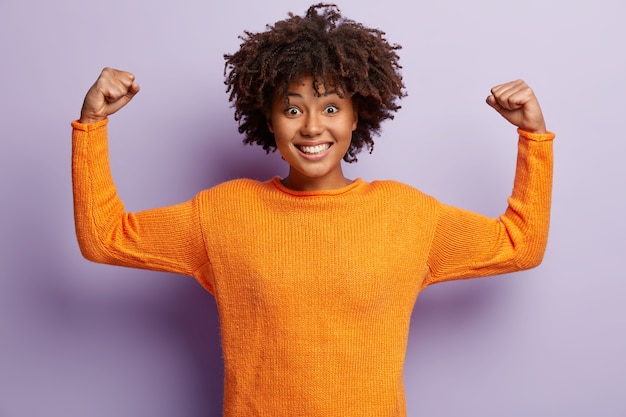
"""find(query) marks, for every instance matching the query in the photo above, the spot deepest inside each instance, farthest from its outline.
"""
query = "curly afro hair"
(358, 61)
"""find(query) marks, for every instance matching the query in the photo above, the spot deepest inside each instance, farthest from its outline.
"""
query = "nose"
(313, 125)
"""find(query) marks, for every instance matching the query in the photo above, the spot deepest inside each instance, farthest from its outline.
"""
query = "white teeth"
(314, 149)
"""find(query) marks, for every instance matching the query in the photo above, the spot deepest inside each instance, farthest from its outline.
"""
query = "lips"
(314, 149)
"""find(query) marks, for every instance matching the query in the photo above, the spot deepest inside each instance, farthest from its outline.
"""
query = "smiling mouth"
(313, 150)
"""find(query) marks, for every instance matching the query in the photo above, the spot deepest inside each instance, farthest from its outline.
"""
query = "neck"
(297, 182)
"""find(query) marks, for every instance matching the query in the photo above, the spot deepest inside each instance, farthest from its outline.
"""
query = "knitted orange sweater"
(314, 289)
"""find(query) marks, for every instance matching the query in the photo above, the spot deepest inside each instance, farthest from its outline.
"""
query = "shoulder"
(401, 196)
(397, 189)
(233, 191)
(240, 185)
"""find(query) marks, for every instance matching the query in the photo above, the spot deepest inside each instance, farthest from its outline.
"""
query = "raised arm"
(166, 239)
(469, 245)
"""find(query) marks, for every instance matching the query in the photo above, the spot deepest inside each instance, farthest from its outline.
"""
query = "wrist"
(536, 135)
(79, 125)
(89, 120)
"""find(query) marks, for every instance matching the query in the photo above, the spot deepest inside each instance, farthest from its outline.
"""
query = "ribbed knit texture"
(314, 289)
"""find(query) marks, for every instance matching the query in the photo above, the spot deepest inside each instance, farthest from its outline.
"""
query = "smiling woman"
(313, 131)
(315, 276)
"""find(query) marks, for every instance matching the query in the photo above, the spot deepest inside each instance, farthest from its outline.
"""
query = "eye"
(292, 111)
(332, 109)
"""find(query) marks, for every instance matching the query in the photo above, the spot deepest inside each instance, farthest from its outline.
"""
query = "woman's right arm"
(165, 239)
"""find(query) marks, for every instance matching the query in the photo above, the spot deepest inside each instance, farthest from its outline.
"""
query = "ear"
(268, 120)
(355, 122)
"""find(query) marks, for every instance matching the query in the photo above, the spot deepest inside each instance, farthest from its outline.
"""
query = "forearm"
(527, 217)
(96, 203)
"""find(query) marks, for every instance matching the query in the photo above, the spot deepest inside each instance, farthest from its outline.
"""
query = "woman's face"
(313, 132)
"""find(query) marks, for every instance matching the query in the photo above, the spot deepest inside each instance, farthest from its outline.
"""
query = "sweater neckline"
(276, 182)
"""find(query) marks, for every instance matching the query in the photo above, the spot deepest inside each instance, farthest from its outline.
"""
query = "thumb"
(491, 100)
(508, 114)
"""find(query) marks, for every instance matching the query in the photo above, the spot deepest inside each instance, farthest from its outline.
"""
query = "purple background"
(80, 339)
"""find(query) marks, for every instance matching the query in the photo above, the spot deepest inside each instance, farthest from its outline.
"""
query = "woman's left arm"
(469, 245)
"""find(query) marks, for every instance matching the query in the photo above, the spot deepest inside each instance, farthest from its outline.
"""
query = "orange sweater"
(314, 289)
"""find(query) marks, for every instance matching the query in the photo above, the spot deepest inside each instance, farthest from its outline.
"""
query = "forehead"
(310, 85)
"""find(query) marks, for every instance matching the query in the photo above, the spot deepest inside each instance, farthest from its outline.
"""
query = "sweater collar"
(276, 182)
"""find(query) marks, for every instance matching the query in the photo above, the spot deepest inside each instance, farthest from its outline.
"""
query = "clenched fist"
(112, 90)
(517, 103)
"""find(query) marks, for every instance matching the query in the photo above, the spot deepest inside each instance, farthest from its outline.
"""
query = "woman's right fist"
(112, 90)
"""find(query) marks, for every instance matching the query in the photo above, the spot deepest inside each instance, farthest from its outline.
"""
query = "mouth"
(315, 149)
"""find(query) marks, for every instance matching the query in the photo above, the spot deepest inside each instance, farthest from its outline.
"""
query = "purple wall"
(80, 339)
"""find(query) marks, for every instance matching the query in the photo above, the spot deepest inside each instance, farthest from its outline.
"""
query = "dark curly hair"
(358, 61)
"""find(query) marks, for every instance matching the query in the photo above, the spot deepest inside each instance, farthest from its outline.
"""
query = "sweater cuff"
(539, 137)
(89, 127)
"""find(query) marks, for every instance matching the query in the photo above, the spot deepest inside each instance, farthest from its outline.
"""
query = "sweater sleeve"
(164, 239)
(467, 244)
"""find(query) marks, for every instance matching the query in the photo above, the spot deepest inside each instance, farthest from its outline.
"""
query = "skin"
(516, 102)
(112, 90)
(304, 118)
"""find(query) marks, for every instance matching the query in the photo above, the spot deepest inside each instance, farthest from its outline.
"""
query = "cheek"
(282, 139)
(284, 150)
(283, 130)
